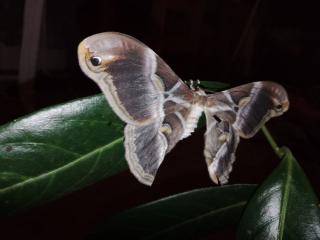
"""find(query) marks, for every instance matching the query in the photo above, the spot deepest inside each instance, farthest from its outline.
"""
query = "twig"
(272, 142)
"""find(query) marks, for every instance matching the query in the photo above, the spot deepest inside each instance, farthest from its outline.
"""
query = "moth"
(160, 109)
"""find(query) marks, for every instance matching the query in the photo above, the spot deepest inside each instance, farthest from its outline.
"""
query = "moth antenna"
(193, 85)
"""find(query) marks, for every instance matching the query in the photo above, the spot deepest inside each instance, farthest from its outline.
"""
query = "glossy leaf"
(213, 85)
(284, 206)
(182, 216)
(58, 150)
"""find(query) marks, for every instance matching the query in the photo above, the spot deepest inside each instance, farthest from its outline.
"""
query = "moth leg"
(221, 141)
(145, 150)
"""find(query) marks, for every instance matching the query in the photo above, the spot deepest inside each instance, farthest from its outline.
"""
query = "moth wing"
(254, 104)
(221, 141)
(180, 122)
(239, 111)
(145, 150)
(132, 77)
(146, 146)
(139, 86)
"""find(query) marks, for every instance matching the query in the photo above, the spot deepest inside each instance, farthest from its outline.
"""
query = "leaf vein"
(285, 200)
(118, 140)
(40, 195)
(44, 144)
(88, 173)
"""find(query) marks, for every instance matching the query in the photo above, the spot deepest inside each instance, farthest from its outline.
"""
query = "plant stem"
(272, 142)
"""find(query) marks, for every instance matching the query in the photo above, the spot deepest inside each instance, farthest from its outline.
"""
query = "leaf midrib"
(102, 148)
(285, 200)
(50, 145)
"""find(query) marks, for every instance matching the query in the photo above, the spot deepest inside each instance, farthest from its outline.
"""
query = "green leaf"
(185, 215)
(58, 150)
(284, 206)
(213, 86)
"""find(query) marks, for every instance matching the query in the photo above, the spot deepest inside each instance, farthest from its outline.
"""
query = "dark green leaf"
(182, 216)
(213, 86)
(284, 206)
(58, 150)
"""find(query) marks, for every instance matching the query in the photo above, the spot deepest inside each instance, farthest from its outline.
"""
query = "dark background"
(233, 41)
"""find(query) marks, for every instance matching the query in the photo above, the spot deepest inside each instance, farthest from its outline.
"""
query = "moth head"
(280, 100)
(97, 52)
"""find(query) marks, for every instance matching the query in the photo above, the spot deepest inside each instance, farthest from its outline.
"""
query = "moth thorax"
(200, 99)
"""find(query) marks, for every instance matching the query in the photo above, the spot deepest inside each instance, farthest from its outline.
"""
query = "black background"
(233, 41)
